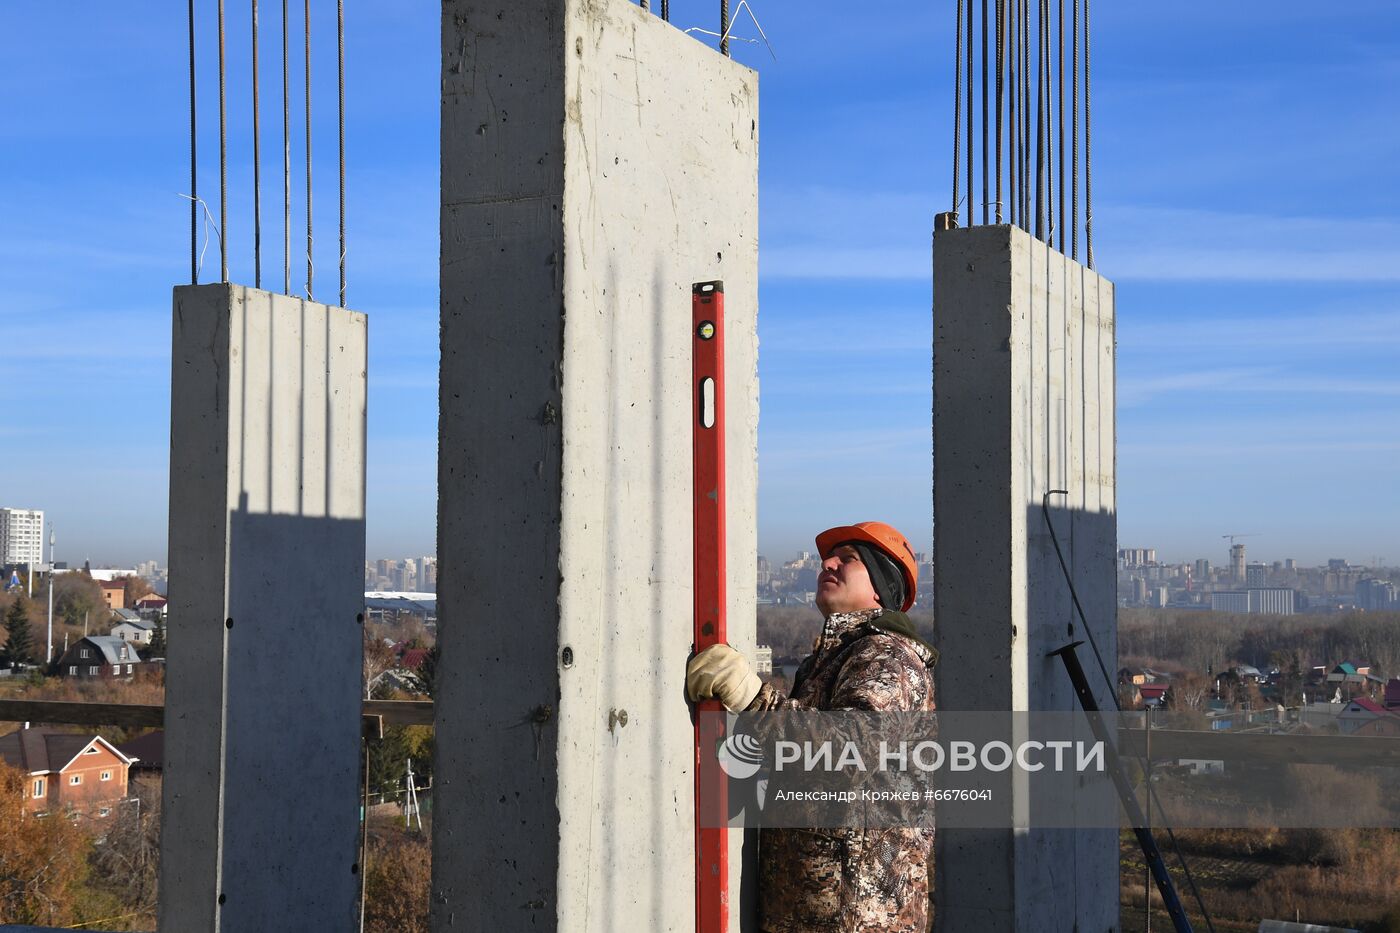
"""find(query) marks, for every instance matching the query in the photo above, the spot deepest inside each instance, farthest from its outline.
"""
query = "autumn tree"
(156, 649)
(75, 595)
(43, 862)
(19, 638)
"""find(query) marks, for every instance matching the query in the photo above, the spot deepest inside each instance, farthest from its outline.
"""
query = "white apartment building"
(22, 536)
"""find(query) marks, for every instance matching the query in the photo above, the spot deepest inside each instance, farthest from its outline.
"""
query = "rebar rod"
(665, 11)
(310, 267)
(971, 214)
(286, 165)
(223, 157)
(957, 105)
(1026, 114)
(1000, 70)
(986, 193)
(1074, 133)
(1060, 163)
(257, 172)
(1049, 127)
(1040, 123)
(1088, 152)
(724, 27)
(340, 120)
(1013, 130)
(194, 165)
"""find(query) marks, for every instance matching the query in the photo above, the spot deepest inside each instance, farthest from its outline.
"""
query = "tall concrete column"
(267, 547)
(1023, 404)
(596, 162)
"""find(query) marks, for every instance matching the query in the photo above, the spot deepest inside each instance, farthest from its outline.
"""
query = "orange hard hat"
(884, 537)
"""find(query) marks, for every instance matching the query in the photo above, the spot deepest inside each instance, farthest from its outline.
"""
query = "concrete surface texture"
(1023, 404)
(595, 163)
(267, 482)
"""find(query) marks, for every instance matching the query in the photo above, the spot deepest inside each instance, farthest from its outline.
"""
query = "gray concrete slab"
(267, 480)
(1023, 403)
(596, 163)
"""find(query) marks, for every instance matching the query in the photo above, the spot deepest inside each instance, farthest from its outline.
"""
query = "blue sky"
(1245, 204)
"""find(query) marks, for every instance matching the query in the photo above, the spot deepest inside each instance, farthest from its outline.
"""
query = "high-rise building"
(1202, 571)
(22, 536)
(1237, 572)
(1256, 574)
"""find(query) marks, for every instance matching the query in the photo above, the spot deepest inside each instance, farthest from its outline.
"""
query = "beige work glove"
(721, 673)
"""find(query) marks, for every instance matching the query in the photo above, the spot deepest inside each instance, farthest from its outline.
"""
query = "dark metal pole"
(1148, 844)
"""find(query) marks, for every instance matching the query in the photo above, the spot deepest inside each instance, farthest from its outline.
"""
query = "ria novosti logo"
(740, 756)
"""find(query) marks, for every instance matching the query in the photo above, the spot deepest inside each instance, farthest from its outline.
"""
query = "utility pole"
(48, 658)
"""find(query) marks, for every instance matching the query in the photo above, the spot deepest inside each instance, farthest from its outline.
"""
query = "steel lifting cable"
(1074, 132)
(194, 172)
(310, 268)
(223, 158)
(257, 174)
(986, 194)
(1060, 162)
(957, 104)
(286, 166)
(340, 119)
(1000, 67)
(1088, 153)
(971, 214)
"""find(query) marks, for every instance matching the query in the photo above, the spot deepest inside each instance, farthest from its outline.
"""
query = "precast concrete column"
(1023, 383)
(596, 162)
(267, 548)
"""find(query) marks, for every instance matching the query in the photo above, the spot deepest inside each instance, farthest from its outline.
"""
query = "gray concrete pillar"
(267, 487)
(595, 163)
(1023, 403)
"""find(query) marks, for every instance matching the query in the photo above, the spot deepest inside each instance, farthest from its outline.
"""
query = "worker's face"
(844, 583)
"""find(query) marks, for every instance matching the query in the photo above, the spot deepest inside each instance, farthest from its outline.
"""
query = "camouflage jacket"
(851, 880)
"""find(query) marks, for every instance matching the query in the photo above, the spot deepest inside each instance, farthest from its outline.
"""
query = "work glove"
(719, 672)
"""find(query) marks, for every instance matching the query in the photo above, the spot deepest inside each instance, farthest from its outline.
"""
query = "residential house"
(136, 631)
(1364, 716)
(152, 605)
(101, 656)
(147, 754)
(114, 592)
(75, 772)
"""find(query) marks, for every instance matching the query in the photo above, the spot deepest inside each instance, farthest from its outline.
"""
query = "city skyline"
(1257, 330)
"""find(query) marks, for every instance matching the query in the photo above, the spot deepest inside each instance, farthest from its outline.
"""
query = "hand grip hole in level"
(707, 402)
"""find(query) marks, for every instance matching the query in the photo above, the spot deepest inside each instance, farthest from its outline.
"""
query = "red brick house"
(67, 771)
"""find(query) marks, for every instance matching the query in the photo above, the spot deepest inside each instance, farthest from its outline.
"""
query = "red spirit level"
(707, 428)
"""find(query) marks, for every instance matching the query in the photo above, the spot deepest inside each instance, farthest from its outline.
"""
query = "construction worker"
(868, 657)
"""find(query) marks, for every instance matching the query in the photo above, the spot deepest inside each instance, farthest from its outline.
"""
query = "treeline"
(1212, 641)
